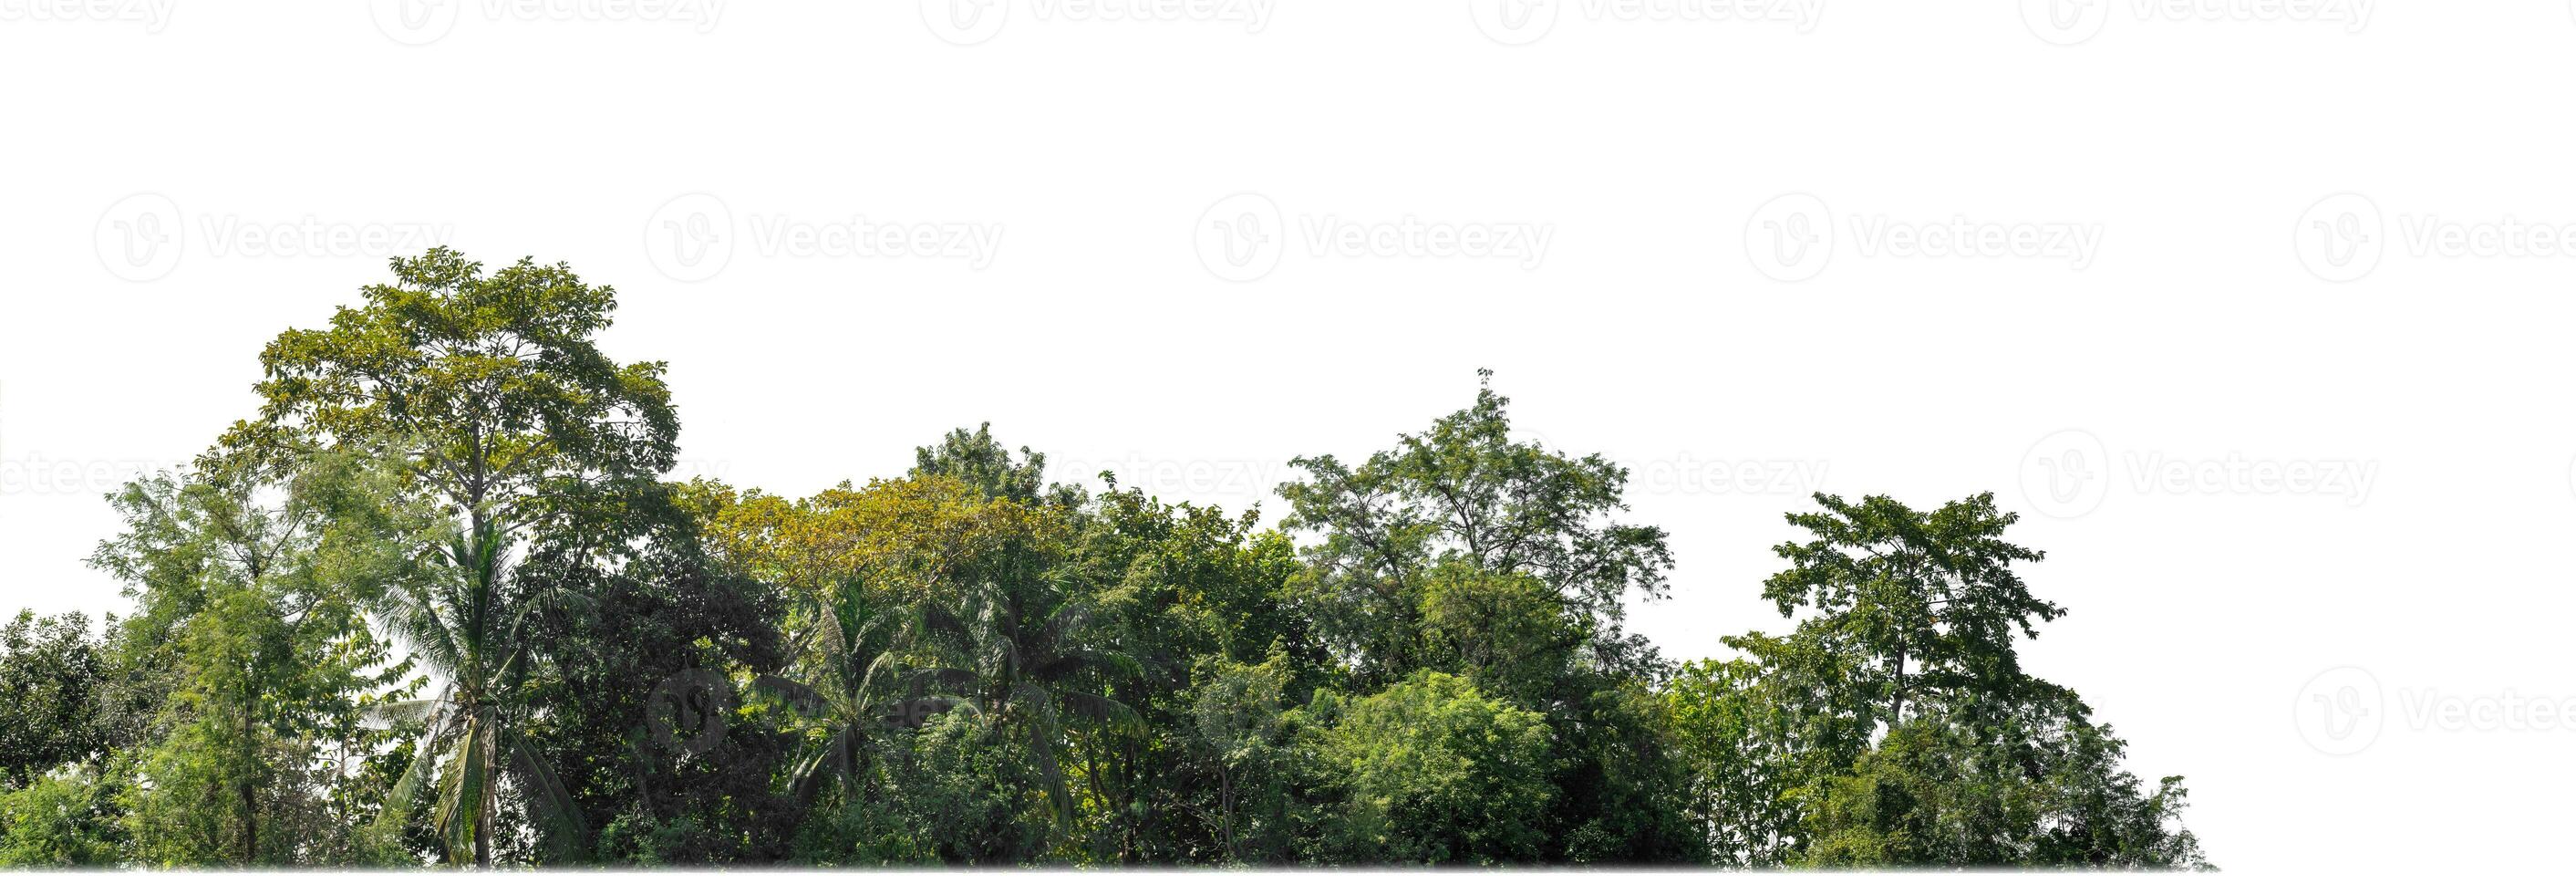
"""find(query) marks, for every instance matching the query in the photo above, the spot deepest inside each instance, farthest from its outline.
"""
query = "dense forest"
(439, 603)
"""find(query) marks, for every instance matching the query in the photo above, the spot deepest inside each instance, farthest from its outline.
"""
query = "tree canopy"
(439, 601)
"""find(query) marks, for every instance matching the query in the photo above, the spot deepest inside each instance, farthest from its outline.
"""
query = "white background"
(2374, 472)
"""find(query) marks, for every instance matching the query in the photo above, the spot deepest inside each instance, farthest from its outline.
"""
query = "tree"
(500, 414)
(1805, 751)
(1930, 598)
(1759, 734)
(1013, 641)
(1943, 793)
(59, 821)
(1434, 771)
(1468, 552)
(1465, 493)
(662, 618)
(247, 582)
(1186, 592)
(52, 672)
(1238, 730)
(983, 462)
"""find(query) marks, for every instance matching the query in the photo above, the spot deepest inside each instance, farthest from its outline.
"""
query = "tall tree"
(1464, 492)
(248, 582)
(500, 411)
(1931, 598)
(1014, 648)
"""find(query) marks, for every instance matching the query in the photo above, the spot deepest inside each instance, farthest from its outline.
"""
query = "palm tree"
(1015, 648)
(460, 624)
(848, 652)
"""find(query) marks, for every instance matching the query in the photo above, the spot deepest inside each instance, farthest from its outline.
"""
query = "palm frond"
(1101, 709)
(947, 678)
(798, 696)
(550, 804)
(460, 793)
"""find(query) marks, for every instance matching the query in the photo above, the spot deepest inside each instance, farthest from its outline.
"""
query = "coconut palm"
(847, 651)
(462, 625)
(1014, 645)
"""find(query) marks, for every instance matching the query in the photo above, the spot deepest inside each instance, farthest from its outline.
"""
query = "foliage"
(60, 821)
(437, 602)
(1436, 772)
(51, 674)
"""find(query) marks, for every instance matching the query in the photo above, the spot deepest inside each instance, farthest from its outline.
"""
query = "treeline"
(436, 603)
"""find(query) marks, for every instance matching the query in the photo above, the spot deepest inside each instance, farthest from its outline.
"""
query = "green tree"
(502, 415)
(1895, 725)
(638, 602)
(1760, 734)
(52, 673)
(64, 820)
(1187, 592)
(1433, 771)
(1465, 492)
(1930, 599)
(247, 581)
(1468, 552)
(1238, 732)
(1015, 650)
(2047, 793)
(978, 459)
